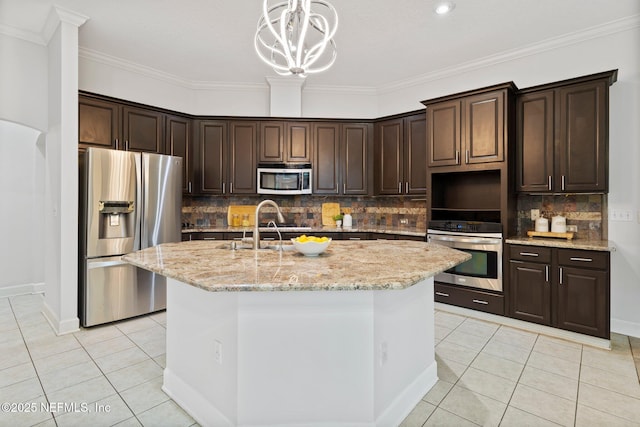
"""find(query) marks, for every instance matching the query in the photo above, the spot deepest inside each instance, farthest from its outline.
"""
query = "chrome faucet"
(256, 231)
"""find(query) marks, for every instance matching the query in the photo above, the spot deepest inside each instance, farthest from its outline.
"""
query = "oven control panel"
(466, 226)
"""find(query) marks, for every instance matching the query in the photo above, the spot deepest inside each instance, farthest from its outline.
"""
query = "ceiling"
(380, 42)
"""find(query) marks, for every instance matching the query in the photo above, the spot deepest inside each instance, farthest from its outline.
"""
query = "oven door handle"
(462, 239)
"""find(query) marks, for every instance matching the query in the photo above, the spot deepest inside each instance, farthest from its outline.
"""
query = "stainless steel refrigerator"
(128, 201)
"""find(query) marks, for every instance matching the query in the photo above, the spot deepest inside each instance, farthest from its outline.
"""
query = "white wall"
(21, 219)
(23, 118)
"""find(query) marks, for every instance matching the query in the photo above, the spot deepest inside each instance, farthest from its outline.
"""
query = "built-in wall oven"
(483, 241)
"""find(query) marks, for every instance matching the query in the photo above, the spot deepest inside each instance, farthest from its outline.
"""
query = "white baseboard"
(25, 289)
(624, 327)
(63, 327)
(527, 326)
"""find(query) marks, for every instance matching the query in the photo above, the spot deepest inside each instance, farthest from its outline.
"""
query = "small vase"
(338, 223)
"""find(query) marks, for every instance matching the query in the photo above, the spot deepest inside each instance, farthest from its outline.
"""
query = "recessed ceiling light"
(444, 7)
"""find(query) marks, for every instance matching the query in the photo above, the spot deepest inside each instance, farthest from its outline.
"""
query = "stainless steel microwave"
(284, 179)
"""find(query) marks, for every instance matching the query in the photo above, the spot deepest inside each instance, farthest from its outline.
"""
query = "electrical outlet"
(535, 214)
(217, 351)
(572, 228)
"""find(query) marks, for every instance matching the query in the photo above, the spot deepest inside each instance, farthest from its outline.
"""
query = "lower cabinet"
(469, 298)
(564, 288)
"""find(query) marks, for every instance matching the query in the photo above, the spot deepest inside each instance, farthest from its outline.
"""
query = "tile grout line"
(33, 365)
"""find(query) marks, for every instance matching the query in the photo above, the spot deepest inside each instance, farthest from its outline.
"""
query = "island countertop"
(344, 266)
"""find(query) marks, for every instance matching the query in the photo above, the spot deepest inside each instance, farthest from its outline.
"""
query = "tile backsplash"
(587, 211)
(307, 210)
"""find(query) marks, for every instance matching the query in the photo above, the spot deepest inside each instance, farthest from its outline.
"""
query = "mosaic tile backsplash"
(587, 211)
(307, 210)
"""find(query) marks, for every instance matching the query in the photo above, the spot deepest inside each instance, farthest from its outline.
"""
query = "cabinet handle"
(546, 273)
(561, 275)
(457, 157)
(189, 188)
(581, 259)
(117, 143)
(344, 188)
(209, 238)
(479, 301)
(126, 145)
(231, 188)
(406, 187)
(549, 183)
(466, 157)
(355, 238)
(399, 188)
(269, 238)
(223, 188)
(529, 254)
(442, 294)
(562, 183)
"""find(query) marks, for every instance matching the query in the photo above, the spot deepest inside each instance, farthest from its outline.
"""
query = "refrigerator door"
(117, 290)
(162, 195)
(110, 211)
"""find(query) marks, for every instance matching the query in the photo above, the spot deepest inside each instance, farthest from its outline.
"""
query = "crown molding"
(613, 27)
(21, 34)
(58, 15)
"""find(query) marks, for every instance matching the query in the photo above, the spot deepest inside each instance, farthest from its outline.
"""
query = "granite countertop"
(592, 245)
(344, 266)
(407, 231)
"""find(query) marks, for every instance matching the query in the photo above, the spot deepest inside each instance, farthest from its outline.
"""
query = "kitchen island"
(275, 338)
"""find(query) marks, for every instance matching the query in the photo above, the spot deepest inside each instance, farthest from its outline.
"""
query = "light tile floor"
(489, 375)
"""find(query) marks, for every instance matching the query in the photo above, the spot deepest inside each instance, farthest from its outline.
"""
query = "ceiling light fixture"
(444, 7)
(296, 40)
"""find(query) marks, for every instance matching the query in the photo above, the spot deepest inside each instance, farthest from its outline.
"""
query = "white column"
(286, 96)
(61, 171)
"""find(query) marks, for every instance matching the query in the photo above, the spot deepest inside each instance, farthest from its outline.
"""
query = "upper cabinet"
(284, 142)
(342, 158)
(98, 123)
(178, 142)
(226, 160)
(401, 156)
(562, 136)
(107, 124)
(469, 128)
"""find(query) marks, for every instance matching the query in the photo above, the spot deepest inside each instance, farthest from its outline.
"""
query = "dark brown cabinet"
(563, 288)
(210, 168)
(226, 157)
(400, 156)
(562, 136)
(285, 142)
(107, 124)
(342, 155)
(178, 142)
(98, 123)
(470, 298)
(242, 157)
(142, 130)
(469, 128)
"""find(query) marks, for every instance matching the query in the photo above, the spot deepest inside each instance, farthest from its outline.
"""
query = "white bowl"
(310, 248)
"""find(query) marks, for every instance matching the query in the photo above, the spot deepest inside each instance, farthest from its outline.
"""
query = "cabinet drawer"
(583, 259)
(469, 298)
(530, 253)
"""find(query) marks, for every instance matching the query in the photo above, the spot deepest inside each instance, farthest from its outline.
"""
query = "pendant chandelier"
(296, 40)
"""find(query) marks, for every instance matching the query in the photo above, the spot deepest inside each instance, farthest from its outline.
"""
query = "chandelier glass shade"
(295, 37)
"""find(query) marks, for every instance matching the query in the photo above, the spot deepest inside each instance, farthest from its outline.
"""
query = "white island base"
(303, 358)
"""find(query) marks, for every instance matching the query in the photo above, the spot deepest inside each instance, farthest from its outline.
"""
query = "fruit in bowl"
(310, 245)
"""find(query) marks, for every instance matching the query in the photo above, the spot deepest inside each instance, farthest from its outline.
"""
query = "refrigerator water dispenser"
(116, 219)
